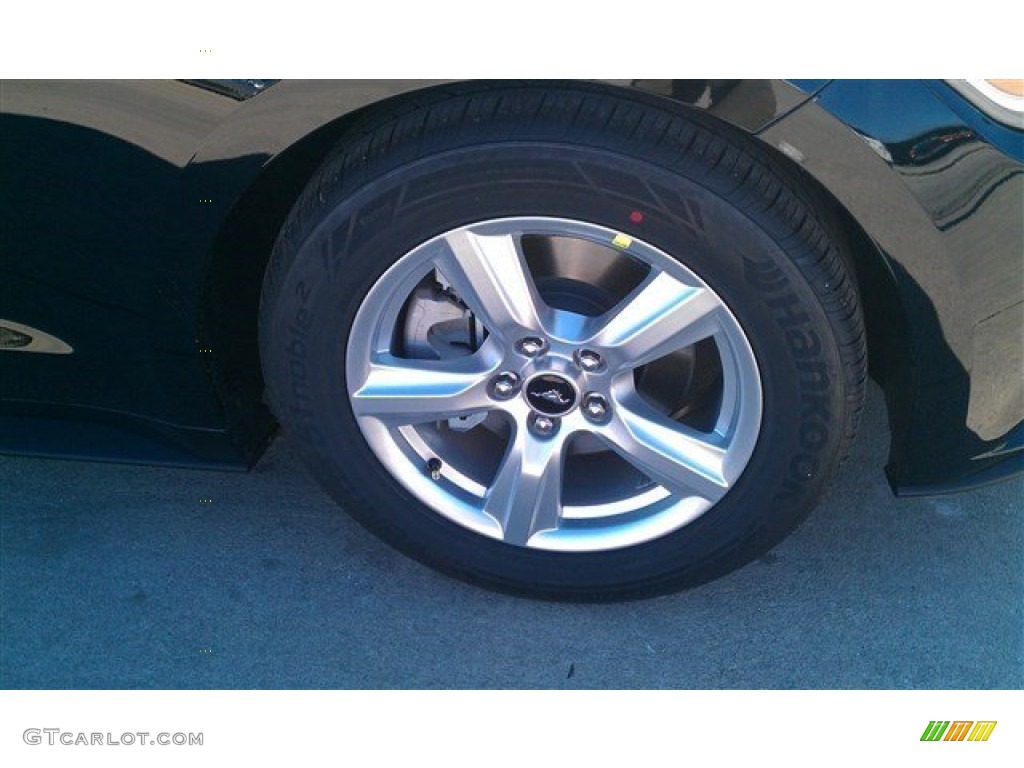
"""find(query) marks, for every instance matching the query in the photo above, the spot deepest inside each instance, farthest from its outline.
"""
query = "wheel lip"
(660, 512)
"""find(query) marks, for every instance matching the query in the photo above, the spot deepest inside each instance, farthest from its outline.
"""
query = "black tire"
(704, 194)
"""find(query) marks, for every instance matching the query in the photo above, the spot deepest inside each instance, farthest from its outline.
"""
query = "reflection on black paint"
(936, 457)
(99, 247)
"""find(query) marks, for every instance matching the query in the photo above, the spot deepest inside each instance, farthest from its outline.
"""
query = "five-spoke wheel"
(542, 413)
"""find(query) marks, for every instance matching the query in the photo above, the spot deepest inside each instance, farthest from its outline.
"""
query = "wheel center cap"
(551, 395)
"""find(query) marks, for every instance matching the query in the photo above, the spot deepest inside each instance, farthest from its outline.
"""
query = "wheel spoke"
(400, 392)
(525, 497)
(661, 316)
(490, 275)
(682, 460)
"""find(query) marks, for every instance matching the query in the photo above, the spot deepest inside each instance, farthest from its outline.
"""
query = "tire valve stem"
(434, 468)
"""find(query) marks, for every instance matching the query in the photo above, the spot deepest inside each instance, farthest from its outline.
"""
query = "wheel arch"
(923, 295)
(241, 248)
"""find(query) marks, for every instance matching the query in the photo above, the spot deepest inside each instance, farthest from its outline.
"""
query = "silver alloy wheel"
(557, 445)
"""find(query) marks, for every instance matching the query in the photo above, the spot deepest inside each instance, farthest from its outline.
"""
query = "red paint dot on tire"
(636, 217)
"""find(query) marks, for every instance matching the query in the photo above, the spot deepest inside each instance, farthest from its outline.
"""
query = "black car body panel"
(138, 218)
(937, 187)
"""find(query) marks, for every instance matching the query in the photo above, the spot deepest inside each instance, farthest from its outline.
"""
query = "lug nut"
(505, 385)
(589, 360)
(531, 346)
(544, 426)
(595, 407)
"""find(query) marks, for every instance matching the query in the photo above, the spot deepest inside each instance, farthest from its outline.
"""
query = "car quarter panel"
(938, 187)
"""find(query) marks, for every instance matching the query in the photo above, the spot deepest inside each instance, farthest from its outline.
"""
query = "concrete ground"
(121, 577)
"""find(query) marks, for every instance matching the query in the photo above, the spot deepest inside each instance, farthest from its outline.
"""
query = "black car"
(581, 340)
